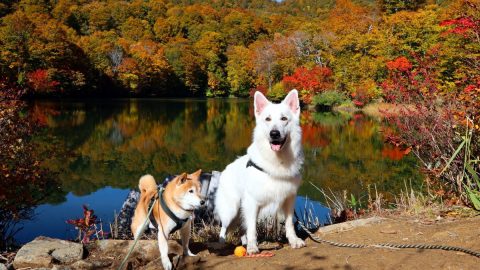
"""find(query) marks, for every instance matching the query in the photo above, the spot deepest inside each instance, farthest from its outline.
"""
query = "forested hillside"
(229, 48)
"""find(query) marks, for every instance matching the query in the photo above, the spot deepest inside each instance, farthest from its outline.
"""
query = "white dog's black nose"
(275, 134)
(202, 202)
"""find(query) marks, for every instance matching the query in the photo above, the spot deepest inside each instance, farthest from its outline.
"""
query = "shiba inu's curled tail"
(147, 183)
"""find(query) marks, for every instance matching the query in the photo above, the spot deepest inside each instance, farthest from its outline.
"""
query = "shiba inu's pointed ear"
(260, 102)
(197, 173)
(292, 101)
(182, 178)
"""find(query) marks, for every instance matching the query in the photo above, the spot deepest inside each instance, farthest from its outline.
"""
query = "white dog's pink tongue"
(275, 147)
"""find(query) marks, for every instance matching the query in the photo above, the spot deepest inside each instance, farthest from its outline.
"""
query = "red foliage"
(86, 225)
(358, 103)
(463, 26)
(39, 80)
(469, 99)
(408, 83)
(309, 81)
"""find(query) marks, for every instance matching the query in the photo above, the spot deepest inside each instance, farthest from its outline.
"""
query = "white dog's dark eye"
(284, 118)
(191, 191)
(268, 119)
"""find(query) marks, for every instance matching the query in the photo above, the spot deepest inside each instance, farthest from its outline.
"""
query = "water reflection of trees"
(143, 136)
(348, 153)
(113, 143)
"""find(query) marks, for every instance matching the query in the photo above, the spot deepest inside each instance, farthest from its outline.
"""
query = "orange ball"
(240, 251)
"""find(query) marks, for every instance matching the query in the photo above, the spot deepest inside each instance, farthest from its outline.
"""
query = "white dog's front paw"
(252, 249)
(167, 265)
(297, 243)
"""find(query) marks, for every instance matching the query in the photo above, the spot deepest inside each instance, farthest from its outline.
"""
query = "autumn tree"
(393, 6)
(15, 35)
(186, 68)
(211, 49)
(240, 71)
(309, 81)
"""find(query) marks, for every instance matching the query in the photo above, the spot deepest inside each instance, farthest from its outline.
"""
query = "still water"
(98, 149)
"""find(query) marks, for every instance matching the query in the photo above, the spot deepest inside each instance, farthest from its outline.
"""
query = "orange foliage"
(395, 152)
(400, 64)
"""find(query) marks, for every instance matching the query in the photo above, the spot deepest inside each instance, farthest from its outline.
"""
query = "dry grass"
(380, 109)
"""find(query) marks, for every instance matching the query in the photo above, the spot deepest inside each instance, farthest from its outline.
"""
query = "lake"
(98, 149)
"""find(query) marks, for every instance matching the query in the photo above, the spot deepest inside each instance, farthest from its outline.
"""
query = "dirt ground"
(461, 232)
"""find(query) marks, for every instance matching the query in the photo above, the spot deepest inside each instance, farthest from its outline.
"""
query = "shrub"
(277, 93)
(328, 99)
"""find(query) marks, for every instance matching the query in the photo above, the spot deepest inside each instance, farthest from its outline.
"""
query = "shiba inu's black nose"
(202, 202)
(275, 134)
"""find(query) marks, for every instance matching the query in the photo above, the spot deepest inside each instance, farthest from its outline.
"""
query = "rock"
(270, 245)
(349, 225)
(61, 267)
(44, 251)
(146, 250)
(82, 265)
(101, 264)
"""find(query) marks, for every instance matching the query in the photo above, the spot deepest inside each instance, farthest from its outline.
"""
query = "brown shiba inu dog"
(171, 211)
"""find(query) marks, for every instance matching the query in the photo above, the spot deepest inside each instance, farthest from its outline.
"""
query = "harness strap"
(250, 163)
(179, 222)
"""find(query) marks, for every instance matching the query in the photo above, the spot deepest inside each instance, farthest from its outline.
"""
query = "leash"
(388, 245)
(144, 225)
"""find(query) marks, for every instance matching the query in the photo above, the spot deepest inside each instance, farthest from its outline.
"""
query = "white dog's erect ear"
(260, 102)
(291, 100)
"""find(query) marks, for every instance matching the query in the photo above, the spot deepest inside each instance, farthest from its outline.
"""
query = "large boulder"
(146, 250)
(44, 251)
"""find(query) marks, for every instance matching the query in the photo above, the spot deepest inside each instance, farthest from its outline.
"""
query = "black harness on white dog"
(250, 163)
(178, 221)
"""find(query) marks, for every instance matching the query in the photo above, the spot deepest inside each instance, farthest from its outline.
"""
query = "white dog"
(267, 178)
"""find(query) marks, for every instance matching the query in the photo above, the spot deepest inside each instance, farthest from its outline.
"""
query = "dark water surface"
(98, 149)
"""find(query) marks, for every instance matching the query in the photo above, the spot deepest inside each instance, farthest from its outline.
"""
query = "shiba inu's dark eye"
(284, 118)
(268, 119)
(191, 191)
